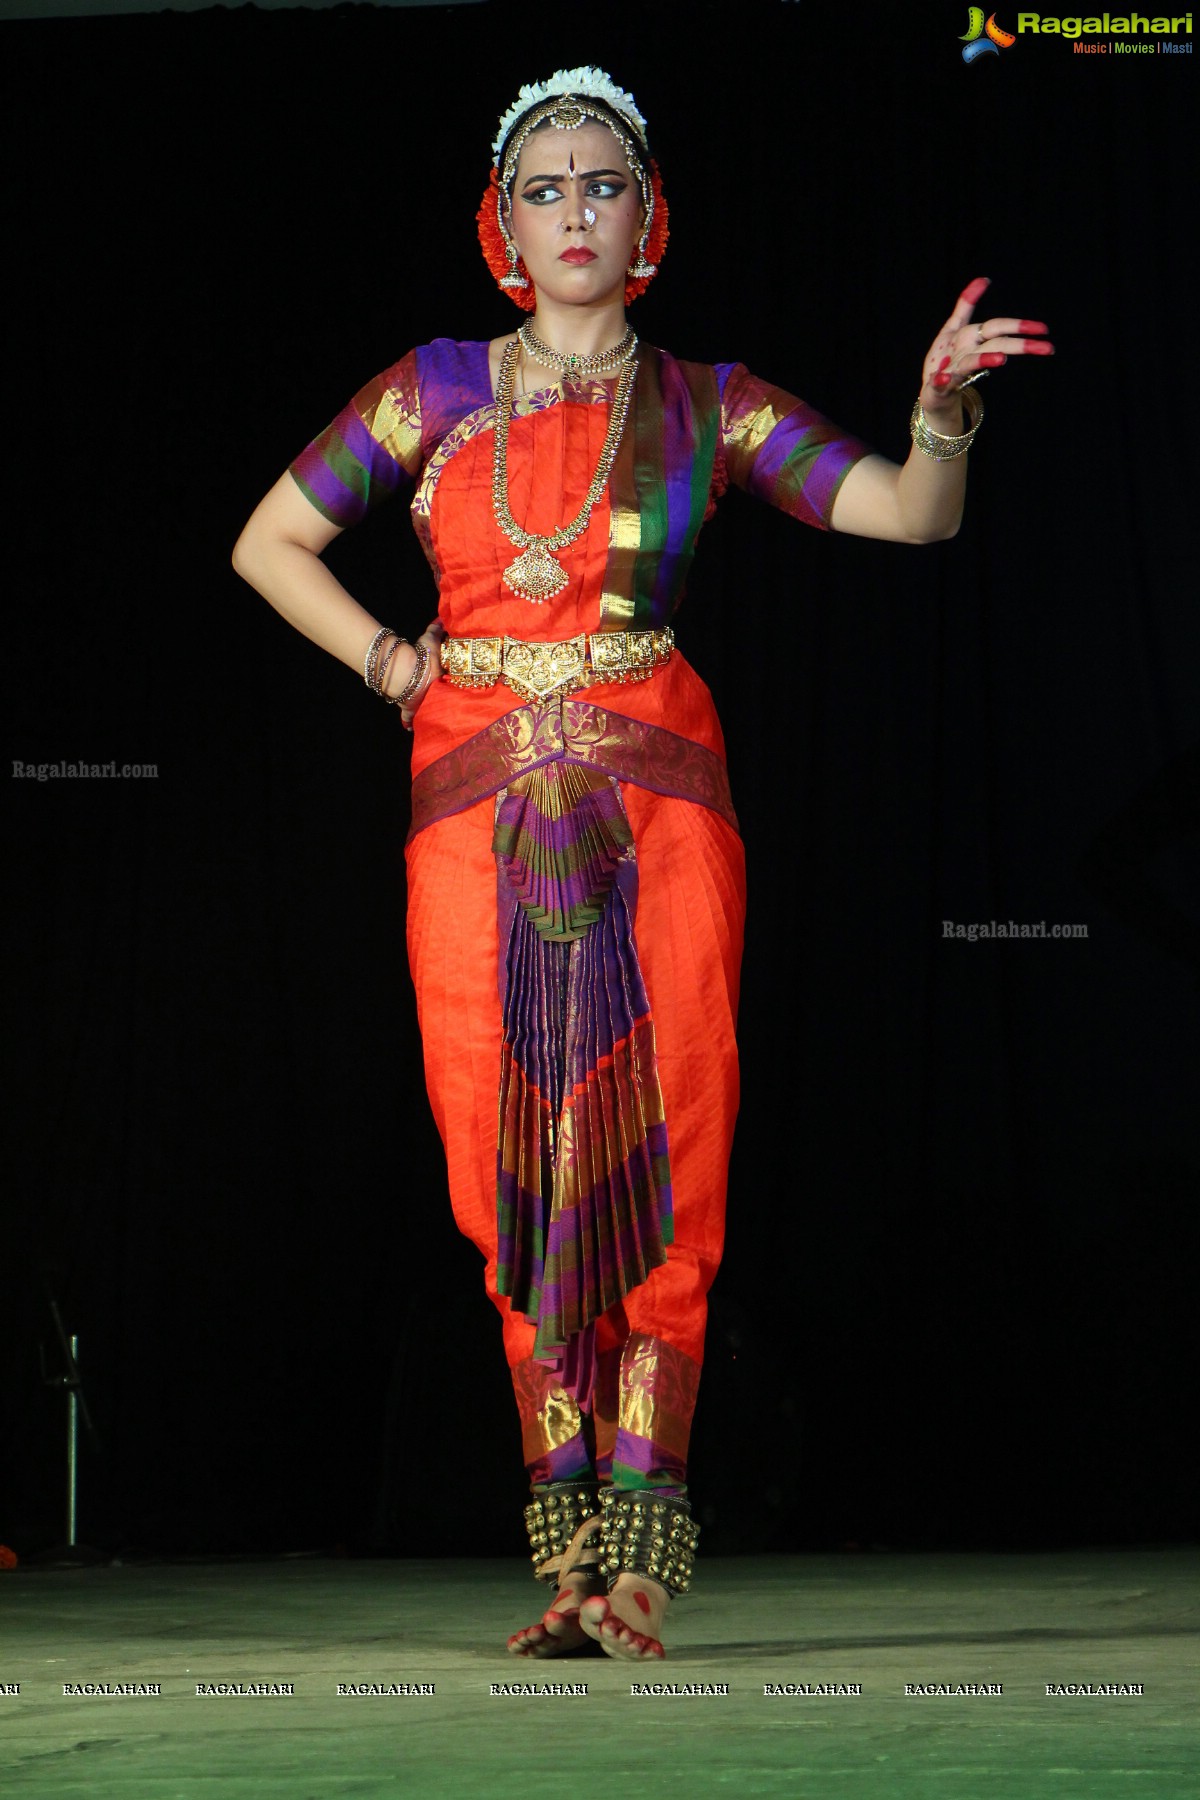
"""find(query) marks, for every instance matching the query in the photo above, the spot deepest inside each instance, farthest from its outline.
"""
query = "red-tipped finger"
(975, 290)
(992, 359)
(1024, 325)
(1038, 347)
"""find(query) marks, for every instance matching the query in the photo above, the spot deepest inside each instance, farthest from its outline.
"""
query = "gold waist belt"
(535, 670)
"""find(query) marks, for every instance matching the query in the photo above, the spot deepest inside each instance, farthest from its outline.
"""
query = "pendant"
(535, 575)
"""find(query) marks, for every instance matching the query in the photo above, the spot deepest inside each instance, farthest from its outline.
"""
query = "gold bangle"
(415, 681)
(371, 660)
(937, 444)
(380, 683)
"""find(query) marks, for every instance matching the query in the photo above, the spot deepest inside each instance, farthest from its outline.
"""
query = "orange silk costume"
(426, 425)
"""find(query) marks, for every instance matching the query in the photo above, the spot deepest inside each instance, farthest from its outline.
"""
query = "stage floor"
(876, 1623)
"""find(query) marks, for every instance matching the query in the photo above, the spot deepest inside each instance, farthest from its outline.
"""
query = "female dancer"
(576, 892)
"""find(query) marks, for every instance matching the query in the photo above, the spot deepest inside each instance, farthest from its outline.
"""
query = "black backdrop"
(955, 1308)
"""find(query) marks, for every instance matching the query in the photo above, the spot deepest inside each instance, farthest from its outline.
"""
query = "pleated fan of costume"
(583, 1177)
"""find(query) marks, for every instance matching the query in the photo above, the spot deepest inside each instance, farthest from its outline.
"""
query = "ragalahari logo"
(981, 39)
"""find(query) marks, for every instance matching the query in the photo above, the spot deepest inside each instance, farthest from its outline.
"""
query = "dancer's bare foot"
(558, 1632)
(627, 1623)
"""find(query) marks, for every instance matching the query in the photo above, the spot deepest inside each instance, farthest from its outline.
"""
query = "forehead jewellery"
(536, 575)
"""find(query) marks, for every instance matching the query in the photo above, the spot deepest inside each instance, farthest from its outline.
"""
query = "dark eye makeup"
(597, 187)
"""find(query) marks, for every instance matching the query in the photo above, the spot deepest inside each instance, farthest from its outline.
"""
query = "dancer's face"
(576, 213)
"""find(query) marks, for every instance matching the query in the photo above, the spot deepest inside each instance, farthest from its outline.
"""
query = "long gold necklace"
(536, 575)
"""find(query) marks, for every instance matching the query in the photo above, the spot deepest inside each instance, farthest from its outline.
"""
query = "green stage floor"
(879, 1623)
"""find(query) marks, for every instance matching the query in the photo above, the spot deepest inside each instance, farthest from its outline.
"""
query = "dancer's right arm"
(279, 554)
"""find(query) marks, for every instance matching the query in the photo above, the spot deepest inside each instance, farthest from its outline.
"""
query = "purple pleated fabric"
(583, 1172)
(560, 833)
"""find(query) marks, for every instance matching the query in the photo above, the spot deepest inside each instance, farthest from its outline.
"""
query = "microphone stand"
(71, 1553)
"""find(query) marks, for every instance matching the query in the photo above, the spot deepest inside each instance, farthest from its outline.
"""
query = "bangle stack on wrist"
(373, 674)
(937, 444)
(375, 670)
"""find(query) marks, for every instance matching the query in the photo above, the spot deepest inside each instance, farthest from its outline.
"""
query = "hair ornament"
(591, 83)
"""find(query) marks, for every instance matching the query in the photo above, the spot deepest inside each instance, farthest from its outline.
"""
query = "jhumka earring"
(639, 267)
(514, 278)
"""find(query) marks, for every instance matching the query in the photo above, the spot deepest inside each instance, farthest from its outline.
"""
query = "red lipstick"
(578, 254)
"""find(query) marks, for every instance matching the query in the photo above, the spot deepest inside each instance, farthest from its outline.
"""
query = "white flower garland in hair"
(593, 82)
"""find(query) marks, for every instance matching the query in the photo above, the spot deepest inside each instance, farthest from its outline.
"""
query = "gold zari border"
(559, 729)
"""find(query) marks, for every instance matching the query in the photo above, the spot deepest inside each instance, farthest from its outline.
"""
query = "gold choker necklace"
(535, 575)
(600, 362)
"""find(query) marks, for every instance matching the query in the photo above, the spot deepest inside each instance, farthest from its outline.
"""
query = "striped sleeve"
(780, 449)
(370, 450)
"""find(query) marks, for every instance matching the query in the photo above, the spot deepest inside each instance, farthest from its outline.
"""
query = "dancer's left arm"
(921, 501)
